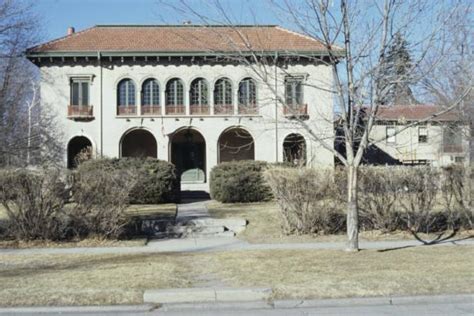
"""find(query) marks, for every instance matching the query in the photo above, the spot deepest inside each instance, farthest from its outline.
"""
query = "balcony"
(151, 110)
(452, 148)
(224, 109)
(175, 110)
(249, 109)
(296, 111)
(80, 112)
(199, 109)
(126, 110)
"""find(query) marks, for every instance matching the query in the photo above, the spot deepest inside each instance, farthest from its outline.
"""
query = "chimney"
(187, 22)
(70, 30)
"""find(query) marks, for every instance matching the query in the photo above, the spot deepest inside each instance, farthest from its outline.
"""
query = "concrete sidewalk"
(225, 244)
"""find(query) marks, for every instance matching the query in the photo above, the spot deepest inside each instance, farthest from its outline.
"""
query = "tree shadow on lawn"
(437, 241)
(90, 262)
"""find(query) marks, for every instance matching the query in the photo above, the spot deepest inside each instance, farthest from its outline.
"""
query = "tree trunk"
(352, 210)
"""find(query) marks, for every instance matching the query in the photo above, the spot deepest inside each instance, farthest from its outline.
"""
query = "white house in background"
(177, 93)
(441, 141)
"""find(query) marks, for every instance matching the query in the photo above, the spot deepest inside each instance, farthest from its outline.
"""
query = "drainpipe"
(276, 108)
(101, 107)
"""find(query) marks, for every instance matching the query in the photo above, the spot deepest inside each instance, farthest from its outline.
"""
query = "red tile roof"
(183, 38)
(414, 112)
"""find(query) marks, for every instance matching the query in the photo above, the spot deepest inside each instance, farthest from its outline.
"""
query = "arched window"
(223, 97)
(294, 149)
(151, 97)
(247, 96)
(126, 97)
(174, 95)
(199, 97)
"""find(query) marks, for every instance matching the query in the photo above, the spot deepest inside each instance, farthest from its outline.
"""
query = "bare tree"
(365, 30)
(25, 127)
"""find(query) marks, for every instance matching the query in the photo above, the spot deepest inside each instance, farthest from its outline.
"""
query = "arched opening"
(79, 149)
(294, 149)
(236, 144)
(139, 143)
(188, 154)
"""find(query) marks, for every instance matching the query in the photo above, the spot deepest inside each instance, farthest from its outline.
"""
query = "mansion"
(192, 95)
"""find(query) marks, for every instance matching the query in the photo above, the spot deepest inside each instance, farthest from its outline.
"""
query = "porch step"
(195, 195)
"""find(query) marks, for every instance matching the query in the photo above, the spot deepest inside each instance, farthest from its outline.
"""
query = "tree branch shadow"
(438, 240)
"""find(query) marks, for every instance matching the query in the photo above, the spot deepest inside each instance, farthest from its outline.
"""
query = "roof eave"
(321, 53)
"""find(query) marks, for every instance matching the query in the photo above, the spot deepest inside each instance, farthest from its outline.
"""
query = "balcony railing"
(126, 110)
(151, 110)
(296, 110)
(199, 109)
(450, 148)
(175, 109)
(224, 109)
(80, 111)
(248, 109)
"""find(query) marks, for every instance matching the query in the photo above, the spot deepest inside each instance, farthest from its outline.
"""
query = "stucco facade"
(268, 127)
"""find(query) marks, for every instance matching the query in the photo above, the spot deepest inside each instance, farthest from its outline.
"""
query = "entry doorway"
(188, 154)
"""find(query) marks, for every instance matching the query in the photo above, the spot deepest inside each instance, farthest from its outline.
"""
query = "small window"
(150, 93)
(422, 134)
(126, 93)
(390, 135)
(80, 92)
(174, 93)
(248, 93)
(459, 159)
(223, 97)
(198, 92)
(294, 91)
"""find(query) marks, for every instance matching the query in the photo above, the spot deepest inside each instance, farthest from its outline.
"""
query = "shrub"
(34, 202)
(379, 192)
(155, 180)
(456, 194)
(307, 199)
(239, 181)
(101, 197)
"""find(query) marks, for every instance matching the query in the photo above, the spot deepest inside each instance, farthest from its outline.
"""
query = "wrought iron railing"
(80, 111)
(223, 109)
(175, 109)
(199, 109)
(296, 110)
(126, 110)
(151, 110)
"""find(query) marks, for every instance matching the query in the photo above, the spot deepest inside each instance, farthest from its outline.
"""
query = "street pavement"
(425, 305)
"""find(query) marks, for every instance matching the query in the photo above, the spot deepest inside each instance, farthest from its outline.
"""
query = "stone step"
(236, 225)
(207, 235)
(187, 229)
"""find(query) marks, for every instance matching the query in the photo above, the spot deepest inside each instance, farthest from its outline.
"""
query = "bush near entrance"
(240, 181)
(156, 181)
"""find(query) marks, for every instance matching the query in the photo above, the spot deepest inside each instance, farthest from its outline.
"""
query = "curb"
(372, 301)
(206, 295)
(48, 310)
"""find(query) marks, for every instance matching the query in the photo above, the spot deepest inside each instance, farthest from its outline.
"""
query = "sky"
(57, 15)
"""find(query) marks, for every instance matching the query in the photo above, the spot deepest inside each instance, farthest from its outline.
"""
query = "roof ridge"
(62, 38)
(185, 25)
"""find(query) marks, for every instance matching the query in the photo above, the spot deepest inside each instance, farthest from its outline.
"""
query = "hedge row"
(156, 181)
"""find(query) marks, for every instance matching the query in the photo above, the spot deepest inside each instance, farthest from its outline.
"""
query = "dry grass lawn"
(87, 279)
(334, 274)
(121, 279)
(264, 225)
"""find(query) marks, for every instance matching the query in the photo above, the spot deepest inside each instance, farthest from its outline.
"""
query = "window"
(294, 91)
(79, 92)
(150, 93)
(422, 134)
(126, 93)
(390, 135)
(199, 93)
(174, 93)
(223, 96)
(452, 139)
(247, 93)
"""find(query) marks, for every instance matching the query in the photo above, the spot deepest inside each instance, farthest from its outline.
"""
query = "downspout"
(276, 108)
(101, 107)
